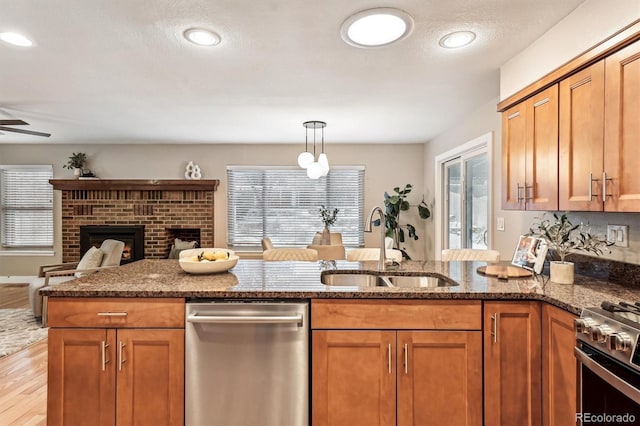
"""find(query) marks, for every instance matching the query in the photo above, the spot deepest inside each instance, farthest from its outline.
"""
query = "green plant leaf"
(404, 205)
(423, 210)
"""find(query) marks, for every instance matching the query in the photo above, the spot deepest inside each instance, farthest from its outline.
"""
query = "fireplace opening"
(132, 236)
(189, 236)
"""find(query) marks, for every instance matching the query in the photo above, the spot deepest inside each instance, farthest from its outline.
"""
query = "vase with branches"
(563, 237)
(329, 217)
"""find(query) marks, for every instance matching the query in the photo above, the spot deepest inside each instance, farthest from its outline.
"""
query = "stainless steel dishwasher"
(247, 363)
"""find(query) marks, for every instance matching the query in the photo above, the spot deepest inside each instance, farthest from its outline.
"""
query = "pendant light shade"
(314, 171)
(324, 163)
(304, 159)
(307, 160)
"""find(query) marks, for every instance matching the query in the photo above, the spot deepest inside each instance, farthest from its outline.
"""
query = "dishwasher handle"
(245, 319)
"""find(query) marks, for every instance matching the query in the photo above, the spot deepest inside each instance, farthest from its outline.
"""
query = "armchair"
(107, 256)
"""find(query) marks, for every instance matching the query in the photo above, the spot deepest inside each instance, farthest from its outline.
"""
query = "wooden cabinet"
(530, 153)
(599, 127)
(622, 130)
(512, 361)
(581, 139)
(377, 375)
(559, 367)
(104, 369)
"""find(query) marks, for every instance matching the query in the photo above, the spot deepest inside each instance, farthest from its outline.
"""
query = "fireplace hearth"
(131, 235)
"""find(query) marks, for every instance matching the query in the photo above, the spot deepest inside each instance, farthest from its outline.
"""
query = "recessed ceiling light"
(376, 27)
(202, 37)
(457, 39)
(16, 39)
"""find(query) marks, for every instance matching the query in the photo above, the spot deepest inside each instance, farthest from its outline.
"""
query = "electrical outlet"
(500, 223)
(618, 235)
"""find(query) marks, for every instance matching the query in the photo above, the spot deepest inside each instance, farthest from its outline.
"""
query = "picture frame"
(530, 253)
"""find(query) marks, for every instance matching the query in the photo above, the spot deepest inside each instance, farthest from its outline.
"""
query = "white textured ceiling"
(119, 71)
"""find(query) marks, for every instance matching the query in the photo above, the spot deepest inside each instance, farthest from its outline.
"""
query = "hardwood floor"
(23, 375)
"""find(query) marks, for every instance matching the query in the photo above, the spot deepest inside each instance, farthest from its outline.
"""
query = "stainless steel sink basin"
(358, 280)
(370, 280)
(430, 281)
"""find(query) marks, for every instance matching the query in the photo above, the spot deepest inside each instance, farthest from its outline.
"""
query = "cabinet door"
(622, 129)
(559, 367)
(150, 373)
(581, 139)
(81, 379)
(541, 192)
(514, 142)
(439, 378)
(512, 378)
(354, 378)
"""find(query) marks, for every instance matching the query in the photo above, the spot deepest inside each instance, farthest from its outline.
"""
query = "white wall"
(386, 166)
(590, 23)
(484, 120)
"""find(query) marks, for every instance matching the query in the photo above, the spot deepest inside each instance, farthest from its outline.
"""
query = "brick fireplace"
(167, 209)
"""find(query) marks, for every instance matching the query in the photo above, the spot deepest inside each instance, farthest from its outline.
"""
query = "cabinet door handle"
(494, 332)
(406, 359)
(604, 187)
(103, 350)
(389, 357)
(121, 359)
(112, 314)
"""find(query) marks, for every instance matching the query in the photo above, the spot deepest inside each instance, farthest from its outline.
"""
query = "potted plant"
(564, 237)
(329, 217)
(76, 162)
(394, 204)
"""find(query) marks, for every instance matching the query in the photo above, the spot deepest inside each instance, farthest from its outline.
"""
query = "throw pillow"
(91, 259)
(183, 245)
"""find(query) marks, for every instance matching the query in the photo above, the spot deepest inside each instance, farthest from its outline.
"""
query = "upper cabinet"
(530, 153)
(570, 141)
(599, 135)
(622, 130)
(581, 139)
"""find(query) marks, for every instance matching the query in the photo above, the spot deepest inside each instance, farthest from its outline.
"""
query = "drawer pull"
(112, 314)
(406, 359)
(389, 357)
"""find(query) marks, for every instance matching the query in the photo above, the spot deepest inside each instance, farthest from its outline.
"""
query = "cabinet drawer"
(396, 314)
(115, 312)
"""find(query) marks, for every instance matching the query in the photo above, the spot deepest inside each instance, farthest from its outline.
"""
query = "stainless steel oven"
(608, 355)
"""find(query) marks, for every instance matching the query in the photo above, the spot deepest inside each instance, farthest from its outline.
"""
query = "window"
(26, 206)
(282, 203)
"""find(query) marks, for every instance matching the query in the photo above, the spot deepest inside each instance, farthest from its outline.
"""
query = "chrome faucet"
(367, 228)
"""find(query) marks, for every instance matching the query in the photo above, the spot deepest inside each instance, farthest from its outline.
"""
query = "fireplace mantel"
(135, 184)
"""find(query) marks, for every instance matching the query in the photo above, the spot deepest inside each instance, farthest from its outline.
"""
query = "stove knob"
(583, 325)
(600, 333)
(620, 342)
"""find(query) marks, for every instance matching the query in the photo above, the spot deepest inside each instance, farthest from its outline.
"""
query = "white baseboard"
(16, 279)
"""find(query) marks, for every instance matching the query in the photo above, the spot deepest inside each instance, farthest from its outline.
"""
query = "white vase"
(77, 171)
(561, 272)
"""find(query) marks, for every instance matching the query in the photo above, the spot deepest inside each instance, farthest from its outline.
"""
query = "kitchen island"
(117, 348)
(256, 279)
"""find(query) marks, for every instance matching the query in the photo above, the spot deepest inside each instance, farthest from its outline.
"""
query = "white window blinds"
(26, 206)
(283, 203)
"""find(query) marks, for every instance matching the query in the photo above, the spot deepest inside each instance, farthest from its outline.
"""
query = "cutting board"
(504, 272)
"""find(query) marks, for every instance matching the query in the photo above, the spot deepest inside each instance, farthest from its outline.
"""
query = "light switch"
(500, 223)
(618, 234)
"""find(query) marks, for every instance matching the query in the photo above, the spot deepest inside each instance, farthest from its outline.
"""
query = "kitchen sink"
(358, 280)
(370, 280)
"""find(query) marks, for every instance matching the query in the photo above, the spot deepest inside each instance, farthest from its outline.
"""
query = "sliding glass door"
(466, 189)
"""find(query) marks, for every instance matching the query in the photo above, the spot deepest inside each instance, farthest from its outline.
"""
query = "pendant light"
(306, 160)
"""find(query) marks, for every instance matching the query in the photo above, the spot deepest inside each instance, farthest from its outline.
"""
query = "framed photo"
(530, 253)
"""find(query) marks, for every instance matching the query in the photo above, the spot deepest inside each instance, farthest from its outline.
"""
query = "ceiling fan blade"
(13, 123)
(26, 132)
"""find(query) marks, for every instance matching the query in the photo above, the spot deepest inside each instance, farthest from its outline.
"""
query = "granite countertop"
(257, 279)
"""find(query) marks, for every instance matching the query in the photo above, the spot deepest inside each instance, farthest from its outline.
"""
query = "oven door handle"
(613, 380)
